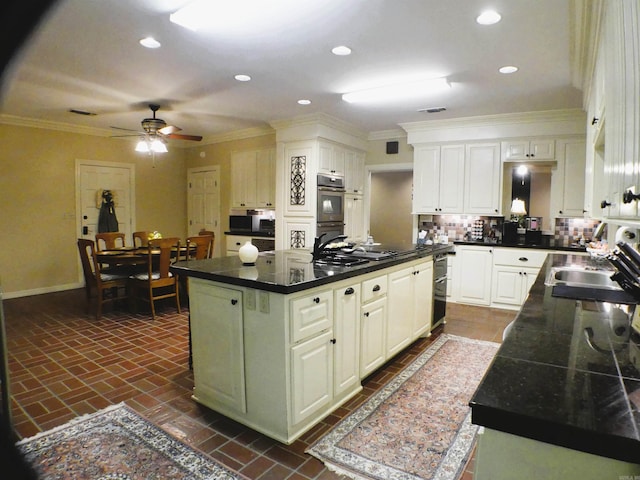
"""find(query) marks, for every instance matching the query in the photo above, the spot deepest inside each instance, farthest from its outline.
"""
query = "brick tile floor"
(63, 363)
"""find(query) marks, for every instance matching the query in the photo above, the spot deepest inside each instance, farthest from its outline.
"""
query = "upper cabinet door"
(426, 179)
(483, 186)
(451, 178)
(528, 150)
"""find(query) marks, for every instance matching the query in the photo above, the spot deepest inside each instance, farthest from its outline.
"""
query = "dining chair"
(140, 239)
(108, 283)
(109, 240)
(202, 247)
(211, 234)
(157, 282)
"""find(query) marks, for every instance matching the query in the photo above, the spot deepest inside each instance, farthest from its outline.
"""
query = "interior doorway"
(204, 203)
(390, 205)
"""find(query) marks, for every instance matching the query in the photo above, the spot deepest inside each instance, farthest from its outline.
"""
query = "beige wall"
(391, 221)
(377, 153)
(37, 198)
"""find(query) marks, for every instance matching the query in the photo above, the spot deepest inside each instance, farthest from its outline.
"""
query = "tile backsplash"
(566, 232)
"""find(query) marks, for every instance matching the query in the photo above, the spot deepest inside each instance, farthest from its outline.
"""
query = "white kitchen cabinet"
(514, 272)
(422, 298)
(401, 311)
(253, 179)
(528, 150)
(354, 218)
(346, 328)
(438, 179)
(218, 359)
(311, 375)
(331, 159)
(354, 172)
(311, 314)
(568, 179)
(482, 179)
(373, 336)
(474, 274)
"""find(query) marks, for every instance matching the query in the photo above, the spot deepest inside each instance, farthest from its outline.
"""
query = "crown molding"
(320, 119)
(586, 30)
(49, 125)
(238, 135)
(394, 134)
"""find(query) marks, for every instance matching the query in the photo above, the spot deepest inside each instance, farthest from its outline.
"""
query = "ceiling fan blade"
(169, 129)
(179, 136)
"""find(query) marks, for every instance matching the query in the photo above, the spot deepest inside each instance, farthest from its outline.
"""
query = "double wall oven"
(330, 211)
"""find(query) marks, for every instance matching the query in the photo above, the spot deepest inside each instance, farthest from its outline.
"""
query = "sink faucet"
(319, 245)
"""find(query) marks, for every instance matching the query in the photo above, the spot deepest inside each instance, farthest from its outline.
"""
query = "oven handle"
(440, 280)
(331, 189)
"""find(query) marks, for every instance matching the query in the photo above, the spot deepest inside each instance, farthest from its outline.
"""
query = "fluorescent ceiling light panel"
(399, 91)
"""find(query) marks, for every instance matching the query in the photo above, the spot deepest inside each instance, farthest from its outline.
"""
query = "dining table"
(135, 255)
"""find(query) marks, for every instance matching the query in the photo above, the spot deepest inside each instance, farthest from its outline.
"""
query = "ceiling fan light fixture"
(158, 146)
(142, 146)
(399, 91)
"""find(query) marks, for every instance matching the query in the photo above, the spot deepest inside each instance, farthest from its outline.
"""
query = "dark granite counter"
(290, 271)
(252, 234)
(568, 373)
(550, 246)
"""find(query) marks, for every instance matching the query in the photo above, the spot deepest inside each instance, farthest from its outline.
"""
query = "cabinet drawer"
(234, 242)
(522, 257)
(374, 288)
(311, 315)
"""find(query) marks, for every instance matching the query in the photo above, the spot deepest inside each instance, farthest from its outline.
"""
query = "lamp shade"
(517, 207)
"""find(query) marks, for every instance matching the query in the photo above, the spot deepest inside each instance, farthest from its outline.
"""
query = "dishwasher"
(439, 289)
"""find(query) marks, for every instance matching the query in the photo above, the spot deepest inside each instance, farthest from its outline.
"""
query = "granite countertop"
(290, 271)
(552, 245)
(568, 373)
(252, 234)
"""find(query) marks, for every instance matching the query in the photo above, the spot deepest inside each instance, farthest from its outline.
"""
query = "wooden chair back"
(106, 283)
(109, 240)
(203, 247)
(211, 234)
(140, 239)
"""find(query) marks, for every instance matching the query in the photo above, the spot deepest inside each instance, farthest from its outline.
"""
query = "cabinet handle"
(234, 301)
(523, 259)
(560, 212)
(349, 291)
(316, 300)
(604, 204)
(376, 288)
(366, 314)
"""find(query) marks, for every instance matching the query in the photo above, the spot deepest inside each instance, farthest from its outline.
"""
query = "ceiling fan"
(157, 128)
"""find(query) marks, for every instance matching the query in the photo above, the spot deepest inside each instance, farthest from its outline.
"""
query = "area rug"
(418, 426)
(117, 443)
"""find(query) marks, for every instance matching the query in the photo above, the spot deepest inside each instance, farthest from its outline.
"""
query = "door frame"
(384, 167)
(132, 195)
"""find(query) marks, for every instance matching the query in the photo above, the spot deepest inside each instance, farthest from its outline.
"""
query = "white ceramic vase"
(248, 253)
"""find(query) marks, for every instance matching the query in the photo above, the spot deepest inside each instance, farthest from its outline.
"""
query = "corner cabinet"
(482, 179)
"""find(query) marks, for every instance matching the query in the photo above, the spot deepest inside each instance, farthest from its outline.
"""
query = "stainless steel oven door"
(330, 229)
(330, 205)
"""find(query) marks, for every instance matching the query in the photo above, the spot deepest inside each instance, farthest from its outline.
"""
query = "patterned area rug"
(116, 443)
(418, 427)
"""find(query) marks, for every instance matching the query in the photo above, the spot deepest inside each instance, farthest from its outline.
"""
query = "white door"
(204, 203)
(92, 178)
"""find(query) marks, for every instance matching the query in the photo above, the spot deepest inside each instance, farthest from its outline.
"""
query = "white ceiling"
(86, 56)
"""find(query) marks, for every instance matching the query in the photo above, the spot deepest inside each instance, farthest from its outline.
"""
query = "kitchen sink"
(577, 277)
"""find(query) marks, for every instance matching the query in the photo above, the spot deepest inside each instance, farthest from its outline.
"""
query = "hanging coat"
(107, 220)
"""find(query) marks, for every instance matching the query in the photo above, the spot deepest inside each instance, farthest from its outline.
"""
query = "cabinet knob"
(234, 301)
(604, 204)
(349, 291)
(376, 288)
(333, 340)
(366, 314)
(316, 300)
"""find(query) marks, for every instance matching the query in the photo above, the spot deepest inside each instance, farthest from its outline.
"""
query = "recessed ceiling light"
(150, 42)
(304, 101)
(488, 17)
(242, 78)
(508, 69)
(341, 50)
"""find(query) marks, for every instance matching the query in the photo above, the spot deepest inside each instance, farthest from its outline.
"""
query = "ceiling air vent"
(432, 110)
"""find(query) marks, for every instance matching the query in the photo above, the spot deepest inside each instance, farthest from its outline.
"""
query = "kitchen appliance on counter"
(240, 223)
(439, 289)
(330, 208)
(510, 233)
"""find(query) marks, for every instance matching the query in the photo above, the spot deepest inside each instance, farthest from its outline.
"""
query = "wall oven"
(330, 199)
(439, 289)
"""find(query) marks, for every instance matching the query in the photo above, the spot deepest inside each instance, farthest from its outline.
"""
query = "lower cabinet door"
(401, 313)
(373, 336)
(218, 345)
(311, 375)
(346, 327)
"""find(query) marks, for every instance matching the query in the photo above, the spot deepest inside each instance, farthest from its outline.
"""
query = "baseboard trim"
(40, 291)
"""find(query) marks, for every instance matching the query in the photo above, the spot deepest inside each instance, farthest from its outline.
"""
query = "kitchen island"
(562, 397)
(279, 345)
